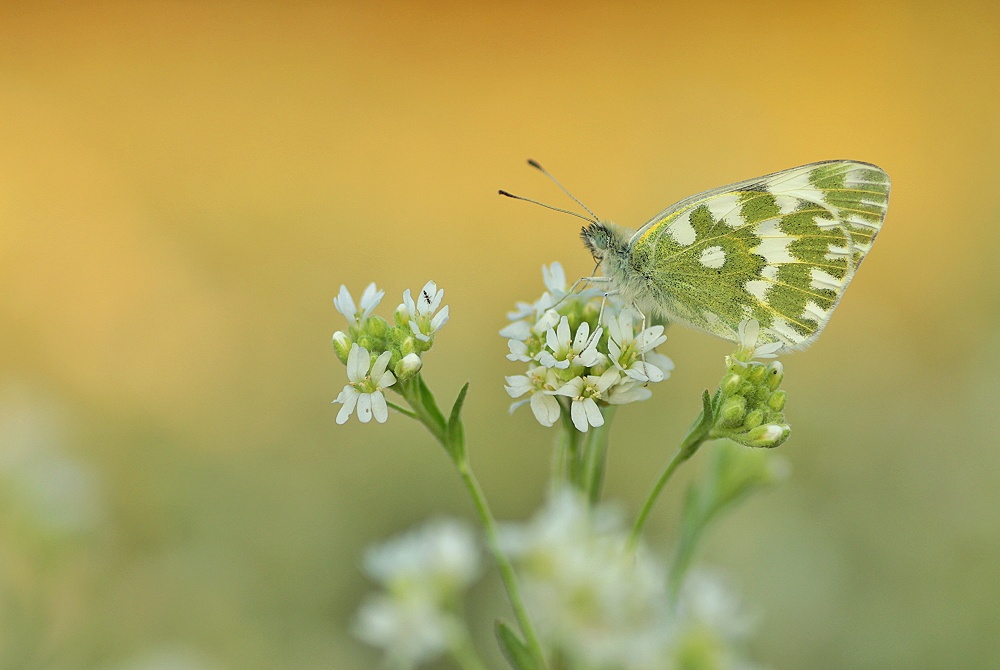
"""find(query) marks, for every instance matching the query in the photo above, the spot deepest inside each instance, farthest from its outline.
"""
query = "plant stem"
(426, 411)
(503, 563)
(595, 452)
(698, 434)
(633, 538)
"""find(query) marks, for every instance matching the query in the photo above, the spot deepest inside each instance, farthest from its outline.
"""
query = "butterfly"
(779, 249)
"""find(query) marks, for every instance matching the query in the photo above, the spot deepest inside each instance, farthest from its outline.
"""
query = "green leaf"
(514, 649)
(426, 399)
(456, 431)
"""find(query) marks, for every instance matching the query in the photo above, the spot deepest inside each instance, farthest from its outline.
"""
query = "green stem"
(595, 450)
(561, 452)
(402, 410)
(503, 563)
(698, 434)
(426, 411)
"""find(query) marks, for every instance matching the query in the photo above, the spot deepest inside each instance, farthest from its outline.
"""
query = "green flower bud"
(408, 366)
(757, 373)
(730, 383)
(341, 346)
(753, 419)
(768, 436)
(732, 411)
(776, 400)
(776, 373)
(377, 327)
(402, 316)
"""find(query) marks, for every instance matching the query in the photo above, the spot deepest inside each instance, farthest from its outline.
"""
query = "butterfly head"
(602, 239)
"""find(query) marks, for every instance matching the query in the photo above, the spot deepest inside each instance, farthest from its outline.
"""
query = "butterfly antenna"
(555, 181)
(557, 209)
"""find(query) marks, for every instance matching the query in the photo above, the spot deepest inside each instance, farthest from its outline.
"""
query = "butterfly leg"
(604, 300)
(642, 342)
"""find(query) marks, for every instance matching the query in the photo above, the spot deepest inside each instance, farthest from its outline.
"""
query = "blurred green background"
(184, 186)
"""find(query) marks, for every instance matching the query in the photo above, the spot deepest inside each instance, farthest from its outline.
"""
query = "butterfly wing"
(780, 248)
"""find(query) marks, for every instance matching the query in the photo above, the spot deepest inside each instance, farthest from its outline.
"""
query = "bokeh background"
(184, 187)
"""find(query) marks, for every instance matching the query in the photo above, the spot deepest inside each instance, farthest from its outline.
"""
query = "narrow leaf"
(514, 650)
(456, 431)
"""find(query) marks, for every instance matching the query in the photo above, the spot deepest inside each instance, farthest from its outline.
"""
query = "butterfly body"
(780, 249)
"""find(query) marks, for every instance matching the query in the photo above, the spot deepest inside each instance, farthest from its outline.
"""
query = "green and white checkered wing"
(780, 248)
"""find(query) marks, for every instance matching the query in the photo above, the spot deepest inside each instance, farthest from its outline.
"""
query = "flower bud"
(341, 346)
(776, 400)
(753, 419)
(732, 411)
(776, 373)
(768, 436)
(757, 373)
(376, 326)
(730, 383)
(408, 366)
(402, 316)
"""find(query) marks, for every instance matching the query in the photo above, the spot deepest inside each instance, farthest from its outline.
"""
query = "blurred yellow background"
(184, 187)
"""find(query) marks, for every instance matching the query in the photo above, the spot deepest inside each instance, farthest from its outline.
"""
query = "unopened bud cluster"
(750, 404)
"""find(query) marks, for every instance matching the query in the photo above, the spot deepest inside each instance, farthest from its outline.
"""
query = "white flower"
(364, 388)
(581, 350)
(749, 333)
(423, 571)
(598, 604)
(540, 383)
(585, 391)
(521, 332)
(633, 354)
(411, 630)
(441, 557)
(420, 313)
(369, 299)
(713, 624)
(627, 390)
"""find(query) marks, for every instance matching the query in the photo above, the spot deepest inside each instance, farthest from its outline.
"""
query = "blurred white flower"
(441, 557)
(420, 313)
(369, 300)
(713, 625)
(411, 630)
(365, 386)
(598, 604)
(52, 491)
(423, 571)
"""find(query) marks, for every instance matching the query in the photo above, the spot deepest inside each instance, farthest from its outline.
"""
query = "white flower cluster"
(376, 354)
(574, 363)
(600, 605)
(423, 572)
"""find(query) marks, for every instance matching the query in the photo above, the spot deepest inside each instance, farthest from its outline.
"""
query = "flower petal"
(345, 304)
(545, 408)
(364, 407)
(381, 363)
(358, 362)
(379, 408)
(594, 416)
(579, 416)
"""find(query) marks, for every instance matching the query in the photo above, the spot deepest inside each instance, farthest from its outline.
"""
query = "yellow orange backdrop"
(184, 187)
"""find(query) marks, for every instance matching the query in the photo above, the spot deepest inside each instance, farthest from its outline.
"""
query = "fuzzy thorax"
(609, 245)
